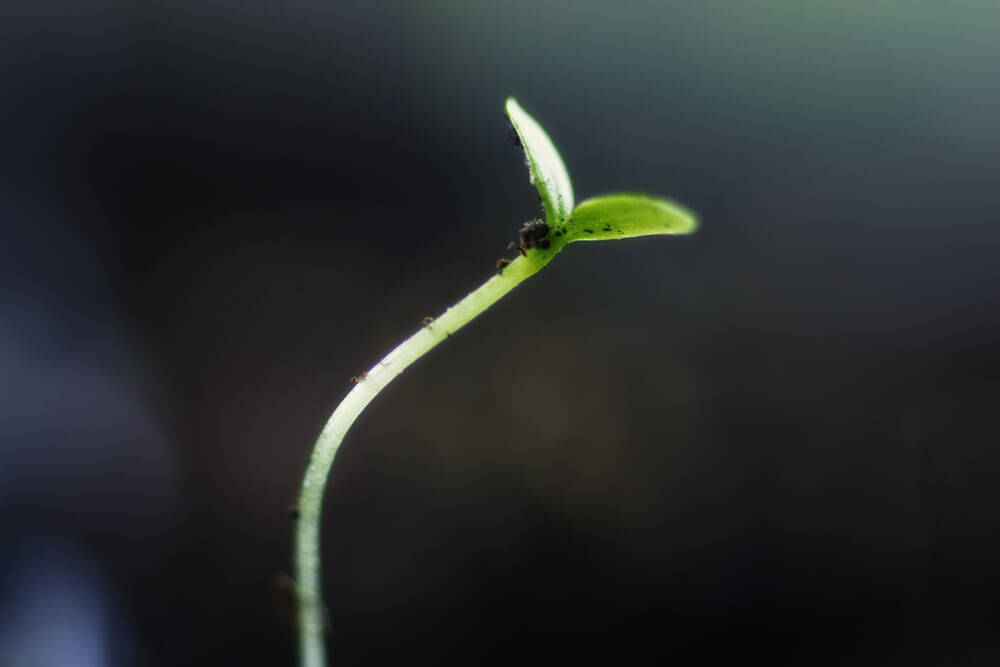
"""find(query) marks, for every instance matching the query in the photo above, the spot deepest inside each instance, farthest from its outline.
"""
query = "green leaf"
(547, 171)
(621, 216)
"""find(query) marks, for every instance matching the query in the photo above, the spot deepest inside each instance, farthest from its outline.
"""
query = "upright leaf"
(547, 171)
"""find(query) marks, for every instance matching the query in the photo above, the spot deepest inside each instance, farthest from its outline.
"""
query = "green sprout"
(614, 216)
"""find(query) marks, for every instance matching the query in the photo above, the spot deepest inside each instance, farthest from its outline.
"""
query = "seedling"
(614, 216)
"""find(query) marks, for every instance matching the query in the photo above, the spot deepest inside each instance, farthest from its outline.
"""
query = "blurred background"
(775, 440)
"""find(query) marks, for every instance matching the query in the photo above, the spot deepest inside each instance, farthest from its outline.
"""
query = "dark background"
(775, 440)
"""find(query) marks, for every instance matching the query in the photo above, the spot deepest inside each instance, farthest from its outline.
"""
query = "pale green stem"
(307, 559)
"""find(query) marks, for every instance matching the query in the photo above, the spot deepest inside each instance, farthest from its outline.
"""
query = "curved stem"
(311, 616)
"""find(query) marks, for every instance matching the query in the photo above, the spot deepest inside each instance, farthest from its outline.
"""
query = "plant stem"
(307, 557)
